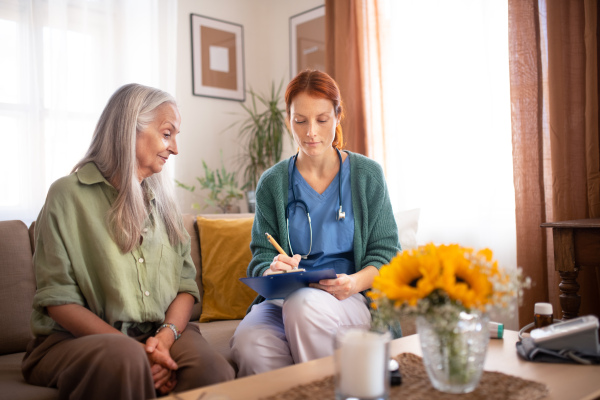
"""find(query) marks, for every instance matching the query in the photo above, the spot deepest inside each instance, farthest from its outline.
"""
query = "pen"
(275, 244)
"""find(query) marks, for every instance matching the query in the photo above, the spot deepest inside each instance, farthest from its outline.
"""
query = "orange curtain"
(353, 32)
(554, 103)
(526, 94)
(592, 106)
(573, 103)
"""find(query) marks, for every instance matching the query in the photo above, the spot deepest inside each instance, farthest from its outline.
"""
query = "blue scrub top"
(333, 240)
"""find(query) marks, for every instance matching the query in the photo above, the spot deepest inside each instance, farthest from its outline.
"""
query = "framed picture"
(217, 58)
(307, 40)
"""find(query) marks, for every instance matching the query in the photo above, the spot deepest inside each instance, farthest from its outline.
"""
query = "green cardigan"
(375, 231)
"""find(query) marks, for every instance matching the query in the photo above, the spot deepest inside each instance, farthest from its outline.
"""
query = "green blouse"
(76, 260)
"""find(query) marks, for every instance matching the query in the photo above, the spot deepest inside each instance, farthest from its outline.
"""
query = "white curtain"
(60, 62)
(448, 127)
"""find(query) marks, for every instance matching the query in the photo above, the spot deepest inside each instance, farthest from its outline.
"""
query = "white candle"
(362, 363)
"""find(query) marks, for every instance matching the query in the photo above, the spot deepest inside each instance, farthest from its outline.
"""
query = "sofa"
(220, 251)
(17, 288)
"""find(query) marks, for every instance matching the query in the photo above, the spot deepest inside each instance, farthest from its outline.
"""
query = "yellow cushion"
(225, 252)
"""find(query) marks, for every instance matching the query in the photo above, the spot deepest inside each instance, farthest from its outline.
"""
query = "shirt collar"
(89, 174)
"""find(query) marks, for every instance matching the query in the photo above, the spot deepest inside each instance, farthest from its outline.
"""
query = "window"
(61, 61)
(448, 128)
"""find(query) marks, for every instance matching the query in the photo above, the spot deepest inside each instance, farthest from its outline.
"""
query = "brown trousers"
(110, 366)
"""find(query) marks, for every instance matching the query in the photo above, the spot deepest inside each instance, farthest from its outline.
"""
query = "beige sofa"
(17, 288)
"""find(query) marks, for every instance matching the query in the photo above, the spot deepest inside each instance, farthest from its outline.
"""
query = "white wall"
(266, 59)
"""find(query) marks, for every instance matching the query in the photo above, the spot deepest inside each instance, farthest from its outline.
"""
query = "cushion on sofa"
(408, 224)
(17, 286)
(225, 253)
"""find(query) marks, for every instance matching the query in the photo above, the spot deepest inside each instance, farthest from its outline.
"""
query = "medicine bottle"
(543, 315)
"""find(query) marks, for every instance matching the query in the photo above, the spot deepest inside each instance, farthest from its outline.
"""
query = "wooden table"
(565, 381)
(576, 244)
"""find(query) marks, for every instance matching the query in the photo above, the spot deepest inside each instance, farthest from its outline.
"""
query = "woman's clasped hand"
(163, 367)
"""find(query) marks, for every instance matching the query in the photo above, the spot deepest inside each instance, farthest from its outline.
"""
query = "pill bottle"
(542, 315)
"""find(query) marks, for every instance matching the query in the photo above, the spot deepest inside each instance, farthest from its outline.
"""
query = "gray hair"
(130, 110)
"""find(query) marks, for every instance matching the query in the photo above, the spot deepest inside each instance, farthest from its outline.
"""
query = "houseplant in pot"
(262, 132)
(222, 186)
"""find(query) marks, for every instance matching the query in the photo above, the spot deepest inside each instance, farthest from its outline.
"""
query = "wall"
(266, 59)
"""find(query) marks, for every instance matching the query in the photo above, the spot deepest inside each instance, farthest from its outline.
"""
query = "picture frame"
(307, 40)
(217, 58)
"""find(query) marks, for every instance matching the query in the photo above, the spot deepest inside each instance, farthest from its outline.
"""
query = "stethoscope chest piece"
(341, 215)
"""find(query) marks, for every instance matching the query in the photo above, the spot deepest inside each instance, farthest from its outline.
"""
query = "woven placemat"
(416, 386)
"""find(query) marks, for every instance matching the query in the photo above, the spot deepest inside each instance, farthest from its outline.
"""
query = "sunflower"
(466, 277)
(440, 281)
(409, 277)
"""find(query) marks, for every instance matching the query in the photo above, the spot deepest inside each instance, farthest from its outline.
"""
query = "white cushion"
(408, 224)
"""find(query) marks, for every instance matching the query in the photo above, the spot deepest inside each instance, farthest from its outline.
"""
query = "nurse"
(327, 208)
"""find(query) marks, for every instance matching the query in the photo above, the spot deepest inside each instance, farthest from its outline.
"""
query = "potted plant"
(223, 190)
(261, 133)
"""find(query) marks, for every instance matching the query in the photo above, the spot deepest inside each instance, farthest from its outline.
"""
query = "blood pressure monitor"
(580, 334)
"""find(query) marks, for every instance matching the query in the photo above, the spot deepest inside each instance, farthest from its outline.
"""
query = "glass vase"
(454, 350)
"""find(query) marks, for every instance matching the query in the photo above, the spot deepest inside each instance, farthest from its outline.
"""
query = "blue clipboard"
(279, 286)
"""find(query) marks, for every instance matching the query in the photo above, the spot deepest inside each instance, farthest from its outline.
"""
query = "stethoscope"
(340, 216)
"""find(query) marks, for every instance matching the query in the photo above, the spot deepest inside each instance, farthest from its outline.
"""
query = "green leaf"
(261, 131)
(221, 185)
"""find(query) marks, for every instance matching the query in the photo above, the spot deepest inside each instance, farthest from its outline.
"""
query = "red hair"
(317, 84)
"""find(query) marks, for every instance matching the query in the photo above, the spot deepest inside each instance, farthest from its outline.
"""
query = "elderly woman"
(351, 228)
(115, 279)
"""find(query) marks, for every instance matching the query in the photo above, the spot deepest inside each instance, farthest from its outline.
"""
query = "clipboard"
(279, 286)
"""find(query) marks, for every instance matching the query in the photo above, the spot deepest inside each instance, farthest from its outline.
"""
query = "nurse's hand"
(281, 262)
(341, 288)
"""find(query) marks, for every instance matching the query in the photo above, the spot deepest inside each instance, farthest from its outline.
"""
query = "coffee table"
(565, 381)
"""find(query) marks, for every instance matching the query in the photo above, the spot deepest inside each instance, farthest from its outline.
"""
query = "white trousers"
(277, 333)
